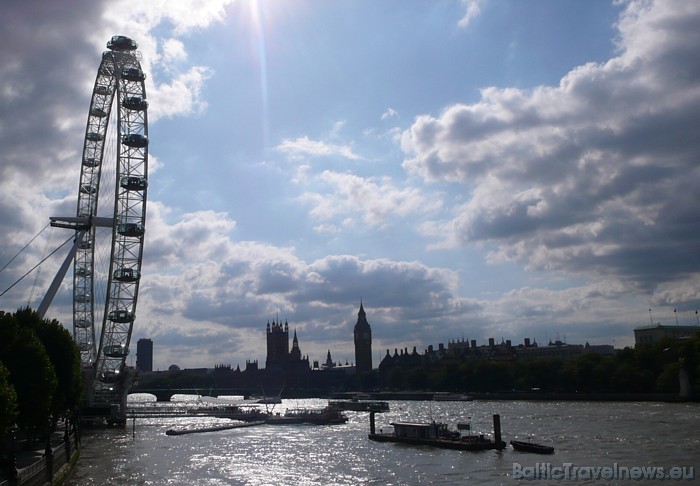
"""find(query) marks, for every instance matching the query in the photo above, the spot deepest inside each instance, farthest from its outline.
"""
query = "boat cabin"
(414, 430)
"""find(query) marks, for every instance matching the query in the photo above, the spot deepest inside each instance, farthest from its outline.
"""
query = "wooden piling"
(497, 428)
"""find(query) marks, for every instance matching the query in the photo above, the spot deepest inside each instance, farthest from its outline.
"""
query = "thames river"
(614, 438)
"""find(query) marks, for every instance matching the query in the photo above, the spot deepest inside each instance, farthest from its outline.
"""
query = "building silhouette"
(279, 357)
(144, 355)
(363, 343)
(650, 334)
(277, 344)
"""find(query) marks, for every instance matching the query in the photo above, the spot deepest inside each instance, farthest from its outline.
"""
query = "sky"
(466, 169)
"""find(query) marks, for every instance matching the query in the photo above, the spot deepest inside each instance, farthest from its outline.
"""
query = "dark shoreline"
(530, 396)
(587, 397)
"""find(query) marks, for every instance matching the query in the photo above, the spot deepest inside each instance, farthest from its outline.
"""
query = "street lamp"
(48, 452)
(13, 453)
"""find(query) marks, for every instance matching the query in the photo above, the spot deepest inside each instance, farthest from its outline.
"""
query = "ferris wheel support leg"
(51, 293)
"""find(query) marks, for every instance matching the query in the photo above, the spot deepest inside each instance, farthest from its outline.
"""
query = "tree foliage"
(43, 368)
(8, 401)
(65, 356)
(651, 368)
(33, 376)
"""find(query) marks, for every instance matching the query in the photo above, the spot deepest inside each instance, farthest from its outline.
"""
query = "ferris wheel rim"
(119, 93)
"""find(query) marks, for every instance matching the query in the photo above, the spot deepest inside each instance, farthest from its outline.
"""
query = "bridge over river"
(165, 394)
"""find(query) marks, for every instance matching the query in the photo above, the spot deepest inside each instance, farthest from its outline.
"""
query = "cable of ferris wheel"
(38, 272)
(25, 247)
(37, 265)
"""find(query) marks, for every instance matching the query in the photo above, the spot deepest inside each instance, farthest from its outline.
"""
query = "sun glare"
(258, 32)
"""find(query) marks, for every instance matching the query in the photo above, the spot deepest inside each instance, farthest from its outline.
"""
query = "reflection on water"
(583, 433)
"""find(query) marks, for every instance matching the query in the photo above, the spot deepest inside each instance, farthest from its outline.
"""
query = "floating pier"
(215, 428)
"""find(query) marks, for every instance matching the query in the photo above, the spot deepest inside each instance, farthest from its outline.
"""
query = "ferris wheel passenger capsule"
(133, 183)
(122, 43)
(135, 103)
(133, 74)
(135, 140)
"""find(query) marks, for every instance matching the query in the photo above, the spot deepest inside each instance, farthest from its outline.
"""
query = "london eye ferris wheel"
(110, 221)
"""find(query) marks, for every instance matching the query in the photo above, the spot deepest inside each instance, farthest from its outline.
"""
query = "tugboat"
(438, 434)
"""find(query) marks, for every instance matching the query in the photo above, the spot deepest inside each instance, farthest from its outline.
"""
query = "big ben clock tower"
(363, 343)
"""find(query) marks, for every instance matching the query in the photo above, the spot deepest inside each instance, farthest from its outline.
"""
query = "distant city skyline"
(465, 168)
(642, 335)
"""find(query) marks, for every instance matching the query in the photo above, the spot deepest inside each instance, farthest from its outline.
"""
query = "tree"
(492, 376)
(397, 378)
(417, 378)
(8, 401)
(538, 373)
(33, 377)
(8, 330)
(65, 356)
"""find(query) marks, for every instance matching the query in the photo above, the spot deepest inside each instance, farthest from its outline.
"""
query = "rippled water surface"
(583, 433)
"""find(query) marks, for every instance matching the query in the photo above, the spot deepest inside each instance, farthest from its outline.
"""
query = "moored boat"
(528, 446)
(438, 434)
(233, 412)
(316, 416)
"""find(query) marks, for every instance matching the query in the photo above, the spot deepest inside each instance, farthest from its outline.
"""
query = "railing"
(37, 473)
(34, 474)
(59, 456)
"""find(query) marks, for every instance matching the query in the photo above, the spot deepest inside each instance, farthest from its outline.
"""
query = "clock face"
(365, 335)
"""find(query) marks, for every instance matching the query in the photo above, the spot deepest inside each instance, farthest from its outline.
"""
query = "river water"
(614, 435)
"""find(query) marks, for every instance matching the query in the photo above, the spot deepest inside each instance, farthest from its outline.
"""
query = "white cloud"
(202, 282)
(601, 309)
(182, 96)
(377, 201)
(473, 10)
(173, 87)
(389, 113)
(183, 15)
(173, 51)
(303, 146)
(594, 176)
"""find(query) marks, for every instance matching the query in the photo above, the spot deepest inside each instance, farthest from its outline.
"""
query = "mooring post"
(497, 429)
(371, 423)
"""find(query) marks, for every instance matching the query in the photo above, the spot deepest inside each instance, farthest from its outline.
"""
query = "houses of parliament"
(289, 369)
